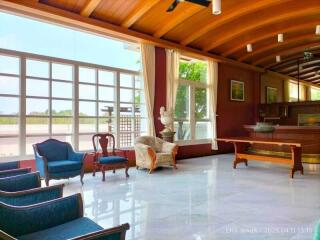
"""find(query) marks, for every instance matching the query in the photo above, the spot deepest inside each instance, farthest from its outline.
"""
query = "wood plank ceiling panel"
(69, 5)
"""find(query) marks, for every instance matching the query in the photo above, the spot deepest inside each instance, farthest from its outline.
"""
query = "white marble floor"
(206, 199)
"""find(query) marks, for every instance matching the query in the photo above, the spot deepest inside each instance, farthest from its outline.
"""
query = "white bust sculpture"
(166, 118)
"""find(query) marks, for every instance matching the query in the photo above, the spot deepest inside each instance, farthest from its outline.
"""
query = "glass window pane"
(9, 65)
(126, 80)
(37, 106)
(139, 96)
(87, 92)
(138, 82)
(203, 130)
(37, 68)
(126, 109)
(37, 88)
(106, 94)
(126, 124)
(62, 108)
(315, 94)
(87, 125)
(193, 70)
(126, 95)
(33, 140)
(201, 106)
(9, 105)
(37, 125)
(61, 125)
(87, 75)
(87, 108)
(9, 85)
(107, 125)
(9, 147)
(61, 90)
(106, 77)
(182, 129)
(9, 126)
(182, 103)
(141, 110)
(62, 71)
(106, 109)
(85, 142)
(141, 125)
(67, 138)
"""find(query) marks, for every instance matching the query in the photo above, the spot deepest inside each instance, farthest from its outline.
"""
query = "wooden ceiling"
(194, 27)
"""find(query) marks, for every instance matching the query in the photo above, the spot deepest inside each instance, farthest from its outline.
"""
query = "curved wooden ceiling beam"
(277, 44)
(263, 22)
(295, 57)
(138, 12)
(237, 12)
(264, 36)
(292, 68)
(287, 52)
(90, 6)
(177, 19)
(304, 70)
(312, 78)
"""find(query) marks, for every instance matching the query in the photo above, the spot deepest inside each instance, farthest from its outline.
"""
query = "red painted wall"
(233, 114)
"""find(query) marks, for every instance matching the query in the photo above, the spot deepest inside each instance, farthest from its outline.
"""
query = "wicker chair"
(152, 152)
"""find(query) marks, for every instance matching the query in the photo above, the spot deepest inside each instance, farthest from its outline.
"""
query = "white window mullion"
(22, 112)
(117, 104)
(76, 107)
(192, 112)
(97, 101)
(50, 99)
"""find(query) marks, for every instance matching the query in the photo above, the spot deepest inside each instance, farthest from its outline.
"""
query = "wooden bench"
(241, 155)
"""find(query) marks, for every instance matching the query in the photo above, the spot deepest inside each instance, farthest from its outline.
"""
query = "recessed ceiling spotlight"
(249, 47)
(216, 7)
(280, 37)
(278, 58)
(318, 30)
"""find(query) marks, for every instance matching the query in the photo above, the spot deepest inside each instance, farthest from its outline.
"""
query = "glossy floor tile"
(205, 199)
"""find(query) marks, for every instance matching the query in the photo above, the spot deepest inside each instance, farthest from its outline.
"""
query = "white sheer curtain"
(173, 58)
(148, 66)
(213, 87)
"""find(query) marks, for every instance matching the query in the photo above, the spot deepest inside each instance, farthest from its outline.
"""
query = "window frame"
(192, 86)
(22, 116)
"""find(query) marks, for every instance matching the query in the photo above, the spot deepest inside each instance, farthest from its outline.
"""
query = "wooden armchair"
(105, 160)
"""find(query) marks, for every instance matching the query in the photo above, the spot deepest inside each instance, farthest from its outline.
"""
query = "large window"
(294, 88)
(68, 89)
(314, 94)
(191, 109)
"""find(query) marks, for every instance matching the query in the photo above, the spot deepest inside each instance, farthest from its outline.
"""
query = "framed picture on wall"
(237, 90)
(271, 95)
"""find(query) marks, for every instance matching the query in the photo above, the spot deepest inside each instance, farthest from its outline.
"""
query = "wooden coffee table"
(242, 155)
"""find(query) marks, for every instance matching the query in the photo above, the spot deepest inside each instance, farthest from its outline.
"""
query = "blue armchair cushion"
(9, 165)
(112, 159)
(67, 230)
(53, 150)
(20, 182)
(63, 166)
(14, 172)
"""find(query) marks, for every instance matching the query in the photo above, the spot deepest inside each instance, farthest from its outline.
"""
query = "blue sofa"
(8, 169)
(58, 160)
(56, 219)
(26, 189)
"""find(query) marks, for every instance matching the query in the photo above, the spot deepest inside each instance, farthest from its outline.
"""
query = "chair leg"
(114, 171)
(150, 171)
(47, 181)
(127, 168)
(94, 169)
(103, 174)
(137, 167)
(81, 176)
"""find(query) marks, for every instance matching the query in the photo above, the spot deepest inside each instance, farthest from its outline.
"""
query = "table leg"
(296, 160)
(239, 148)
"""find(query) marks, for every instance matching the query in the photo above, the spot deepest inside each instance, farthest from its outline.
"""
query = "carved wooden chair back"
(104, 140)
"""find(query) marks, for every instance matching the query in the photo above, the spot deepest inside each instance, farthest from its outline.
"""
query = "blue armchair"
(57, 219)
(26, 190)
(8, 169)
(57, 160)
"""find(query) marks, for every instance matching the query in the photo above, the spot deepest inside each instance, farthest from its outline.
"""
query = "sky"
(26, 35)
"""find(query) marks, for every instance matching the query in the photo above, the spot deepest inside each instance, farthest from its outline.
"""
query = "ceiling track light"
(280, 37)
(249, 47)
(216, 7)
(278, 58)
(318, 30)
